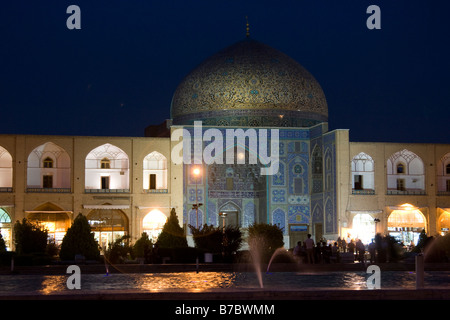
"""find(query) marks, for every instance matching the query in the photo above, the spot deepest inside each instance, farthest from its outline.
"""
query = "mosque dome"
(249, 84)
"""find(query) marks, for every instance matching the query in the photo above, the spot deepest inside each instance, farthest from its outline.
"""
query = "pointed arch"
(108, 224)
(6, 170)
(443, 175)
(48, 167)
(405, 173)
(363, 174)
(53, 218)
(155, 172)
(105, 178)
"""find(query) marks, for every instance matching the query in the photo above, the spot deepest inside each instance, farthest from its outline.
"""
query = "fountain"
(279, 251)
(256, 259)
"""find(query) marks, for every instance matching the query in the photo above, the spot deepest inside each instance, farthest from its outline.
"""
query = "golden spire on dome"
(248, 28)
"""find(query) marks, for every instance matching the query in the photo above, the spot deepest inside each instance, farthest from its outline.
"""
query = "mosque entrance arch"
(229, 214)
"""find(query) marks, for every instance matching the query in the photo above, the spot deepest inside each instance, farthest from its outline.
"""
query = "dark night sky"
(118, 73)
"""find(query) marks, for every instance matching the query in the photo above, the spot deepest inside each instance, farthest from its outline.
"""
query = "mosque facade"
(324, 184)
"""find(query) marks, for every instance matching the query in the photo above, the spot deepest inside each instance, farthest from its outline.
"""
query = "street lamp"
(196, 173)
(224, 216)
(376, 220)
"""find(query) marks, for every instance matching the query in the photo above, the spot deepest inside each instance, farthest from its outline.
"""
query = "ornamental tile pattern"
(250, 84)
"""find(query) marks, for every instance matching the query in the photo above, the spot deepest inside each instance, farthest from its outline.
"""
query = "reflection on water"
(53, 284)
(193, 281)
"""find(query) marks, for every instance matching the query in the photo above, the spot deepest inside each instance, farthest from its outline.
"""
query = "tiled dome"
(249, 84)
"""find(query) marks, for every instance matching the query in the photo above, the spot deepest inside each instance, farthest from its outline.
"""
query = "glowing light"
(196, 171)
(153, 223)
(155, 219)
(407, 216)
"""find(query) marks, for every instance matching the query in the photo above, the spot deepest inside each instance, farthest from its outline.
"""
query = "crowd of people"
(330, 252)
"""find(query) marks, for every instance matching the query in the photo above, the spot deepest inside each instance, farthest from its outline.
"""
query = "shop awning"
(106, 206)
(44, 211)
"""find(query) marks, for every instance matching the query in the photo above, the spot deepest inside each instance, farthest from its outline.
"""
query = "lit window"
(105, 163)
(48, 163)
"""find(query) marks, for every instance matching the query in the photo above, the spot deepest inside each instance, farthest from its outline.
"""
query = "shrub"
(143, 247)
(207, 238)
(215, 240)
(79, 240)
(263, 240)
(29, 237)
(119, 250)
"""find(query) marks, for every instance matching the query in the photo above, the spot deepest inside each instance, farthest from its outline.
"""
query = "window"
(358, 184)
(447, 185)
(105, 182)
(401, 184)
(105, 164)
(400, 168)
(47, 181)
(447, 169)
(152, 184)
(230, 184)
(298, 185)
(48, 162)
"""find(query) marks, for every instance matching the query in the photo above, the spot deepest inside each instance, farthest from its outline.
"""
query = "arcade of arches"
(405, 223)
(107, 223)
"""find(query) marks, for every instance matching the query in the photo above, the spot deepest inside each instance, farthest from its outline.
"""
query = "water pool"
(148, 282)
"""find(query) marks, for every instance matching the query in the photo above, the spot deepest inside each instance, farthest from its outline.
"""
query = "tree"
(208, 238)
(264, 239)
(29, 237)
(143, 247)
(79, 240)
(172, 235)
(119, 250)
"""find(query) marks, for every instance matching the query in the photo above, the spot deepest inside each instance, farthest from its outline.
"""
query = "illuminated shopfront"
(153, 224)
(363, 227)
(108, 224)
(405, 223)
(444, 222)
(53, 219)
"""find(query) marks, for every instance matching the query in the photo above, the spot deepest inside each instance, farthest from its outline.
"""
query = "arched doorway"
(153, 223)
(363, 227)
(405, 223)
(108, 224)
(444, 223)
(53, 218)
(5, 228)
(229, 215)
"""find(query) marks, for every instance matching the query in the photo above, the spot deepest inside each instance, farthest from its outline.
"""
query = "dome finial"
(248, 28)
